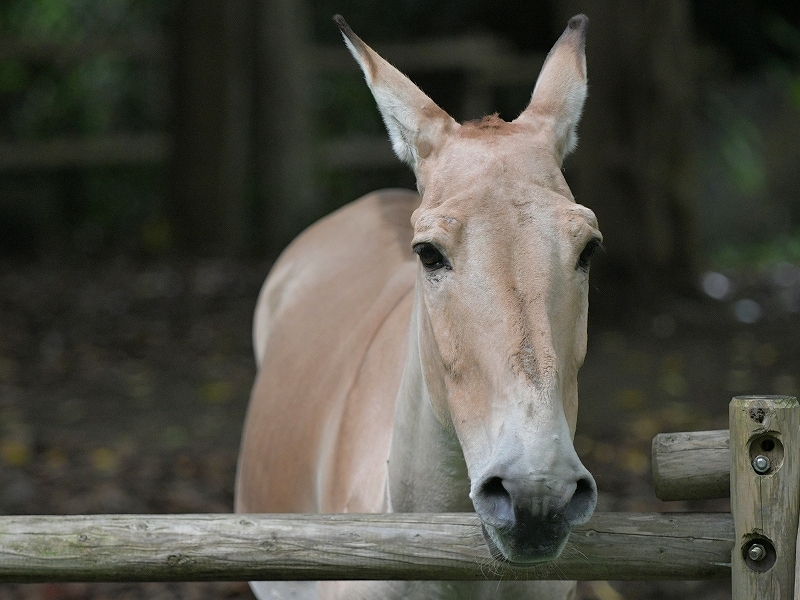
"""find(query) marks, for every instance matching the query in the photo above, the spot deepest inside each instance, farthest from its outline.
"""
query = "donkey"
(420, 352)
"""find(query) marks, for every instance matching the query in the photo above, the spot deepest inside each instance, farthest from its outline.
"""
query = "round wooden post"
(692, 465)
(765, 495)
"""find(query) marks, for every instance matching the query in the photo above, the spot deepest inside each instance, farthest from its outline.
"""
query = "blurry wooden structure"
(242, 79)
(246, 167)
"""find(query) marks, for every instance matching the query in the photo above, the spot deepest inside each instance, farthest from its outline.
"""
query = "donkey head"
(502, 291)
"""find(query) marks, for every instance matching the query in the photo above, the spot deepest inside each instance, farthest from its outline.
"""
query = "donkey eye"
(586, 255)
(430, 257)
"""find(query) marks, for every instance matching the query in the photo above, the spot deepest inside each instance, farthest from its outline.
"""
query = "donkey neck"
(426, 471)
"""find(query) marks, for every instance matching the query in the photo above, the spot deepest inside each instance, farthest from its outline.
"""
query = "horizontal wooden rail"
(620, 546)
(692, 466)
(492, 57)
(67, 153)
(356, 152)
(488, 61)
(137, 46)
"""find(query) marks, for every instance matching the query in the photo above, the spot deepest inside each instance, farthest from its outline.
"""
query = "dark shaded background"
(156, 156)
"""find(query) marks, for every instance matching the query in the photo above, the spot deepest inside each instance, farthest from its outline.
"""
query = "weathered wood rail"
(315, 547)
(754, 545)
(692, 465)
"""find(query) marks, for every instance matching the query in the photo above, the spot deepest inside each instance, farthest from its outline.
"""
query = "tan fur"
(386, 386)
(336, 346)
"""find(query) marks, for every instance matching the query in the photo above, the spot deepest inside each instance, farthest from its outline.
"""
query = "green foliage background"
(98, 92)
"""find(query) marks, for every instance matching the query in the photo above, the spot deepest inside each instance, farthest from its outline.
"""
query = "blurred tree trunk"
(207, 203)
(284, 156)
(635, 166)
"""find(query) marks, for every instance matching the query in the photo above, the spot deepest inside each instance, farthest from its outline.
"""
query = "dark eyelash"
(588, 251)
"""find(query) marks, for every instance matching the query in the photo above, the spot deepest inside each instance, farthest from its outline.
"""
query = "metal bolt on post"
(761, 464)
(757, 552)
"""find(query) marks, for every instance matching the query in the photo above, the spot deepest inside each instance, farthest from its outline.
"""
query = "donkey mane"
(490, 125)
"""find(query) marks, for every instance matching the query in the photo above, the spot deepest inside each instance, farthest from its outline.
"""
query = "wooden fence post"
(284, 146)
(207, 201)
(765, 495)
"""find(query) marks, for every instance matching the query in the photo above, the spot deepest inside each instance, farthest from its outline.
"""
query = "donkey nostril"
(497, 500)
(494, 487)
(581, 505)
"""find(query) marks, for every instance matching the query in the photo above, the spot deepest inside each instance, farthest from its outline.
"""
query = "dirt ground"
(123, 387)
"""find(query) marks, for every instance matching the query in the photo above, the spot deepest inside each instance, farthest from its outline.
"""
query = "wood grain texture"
(692, 465)
(765, 506)
(632, 546)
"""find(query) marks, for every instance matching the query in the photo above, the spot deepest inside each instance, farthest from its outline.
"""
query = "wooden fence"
(757, 462)
(486, 61)
(244, 115)
(313, 547)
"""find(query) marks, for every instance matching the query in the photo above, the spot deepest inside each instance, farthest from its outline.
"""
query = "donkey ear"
(560, 91)
(417, 126)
